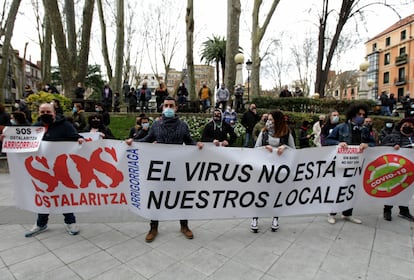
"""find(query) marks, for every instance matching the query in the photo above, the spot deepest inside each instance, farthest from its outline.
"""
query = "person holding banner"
(351, 132)
(57, 129)
(402, 137)
(218, 131)
(96, 125)
(275, 134)
(169, 129)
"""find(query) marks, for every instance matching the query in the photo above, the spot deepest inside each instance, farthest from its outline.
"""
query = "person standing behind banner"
(78, 115)
(96, 125)
(169, 129)
(276, 134)
(140, 130)
(249, 120)
(401, 137)
(317, 129)
(218, 131)
(351, 132)
(57, 129)
(258, 127)
(332, 120)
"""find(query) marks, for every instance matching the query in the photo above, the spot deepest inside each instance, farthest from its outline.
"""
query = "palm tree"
(215, 51)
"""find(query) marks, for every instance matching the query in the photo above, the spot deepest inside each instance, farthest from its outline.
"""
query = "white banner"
(169, 182)
(22, 139)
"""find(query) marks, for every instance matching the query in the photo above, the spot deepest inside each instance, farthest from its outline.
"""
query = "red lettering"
(42, 176)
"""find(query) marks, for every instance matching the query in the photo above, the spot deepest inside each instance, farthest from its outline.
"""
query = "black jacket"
(211, 132)
(59, 130)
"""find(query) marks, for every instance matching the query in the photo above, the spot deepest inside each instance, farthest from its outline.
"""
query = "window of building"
(386, 77)
(387, 58)
(403, 35)
(402, 51)
(374, 47)
(387, 41)
(401, 74)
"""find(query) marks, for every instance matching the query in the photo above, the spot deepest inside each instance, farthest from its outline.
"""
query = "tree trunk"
(257, 36)
(83, 58)
(117, 83)
(69, 10)
(189, 21)
(105, 54)
(232, 44)
(46, 51)
(322, 71)
(14, 7)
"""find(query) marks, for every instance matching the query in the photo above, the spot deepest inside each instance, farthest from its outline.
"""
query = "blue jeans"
(42, 219)
(247, 140)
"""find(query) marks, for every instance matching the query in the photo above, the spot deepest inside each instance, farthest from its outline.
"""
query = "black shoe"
(406, 216)
(387, 216)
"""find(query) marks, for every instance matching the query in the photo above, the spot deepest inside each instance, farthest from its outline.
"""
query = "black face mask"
(46, 118)
(407, 130)
(95, 124)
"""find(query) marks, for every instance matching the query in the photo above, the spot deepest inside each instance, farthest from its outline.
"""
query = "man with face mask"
(401, 137)
(218, 131)
(351, 132)
(169, 129)
(57, 129)
(386, 130)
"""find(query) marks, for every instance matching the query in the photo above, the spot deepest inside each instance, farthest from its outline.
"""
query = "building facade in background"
(391, 59)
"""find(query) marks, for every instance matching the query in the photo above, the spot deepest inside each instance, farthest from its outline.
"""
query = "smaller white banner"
(22, 139)
(91, 136)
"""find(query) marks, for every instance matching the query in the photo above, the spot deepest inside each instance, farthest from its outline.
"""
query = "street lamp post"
(249, 68)
(363, 87)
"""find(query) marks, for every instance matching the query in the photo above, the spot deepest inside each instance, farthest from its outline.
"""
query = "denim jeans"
(247, 140)
(42, 219)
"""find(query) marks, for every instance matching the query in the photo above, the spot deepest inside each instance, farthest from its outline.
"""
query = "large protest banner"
(166, 182)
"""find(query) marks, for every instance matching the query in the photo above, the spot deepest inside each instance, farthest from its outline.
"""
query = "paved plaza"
(111, 245)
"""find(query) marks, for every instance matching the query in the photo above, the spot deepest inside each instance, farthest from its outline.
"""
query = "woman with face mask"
(401, 137)
(96, 125)
(275, 135)
(332, 120)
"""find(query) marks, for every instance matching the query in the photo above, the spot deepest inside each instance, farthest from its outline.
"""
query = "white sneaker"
(35, 230)
(275, 224)
(331, 219)
(254, 225)
(352, 219)
(72, 229)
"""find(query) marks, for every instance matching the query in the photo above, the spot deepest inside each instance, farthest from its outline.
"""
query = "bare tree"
(119, 51)
(104, 43)
(258, 33)
(163, 36)
(304, 58)
(72, 71)
(349, 9)
(189, 21)
(232, 44)
(6, 31)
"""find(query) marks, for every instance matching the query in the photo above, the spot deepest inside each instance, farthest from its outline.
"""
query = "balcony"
(401, 59)
(400, 81)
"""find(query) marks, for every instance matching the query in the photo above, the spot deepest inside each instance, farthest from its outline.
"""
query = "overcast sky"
(292, 17)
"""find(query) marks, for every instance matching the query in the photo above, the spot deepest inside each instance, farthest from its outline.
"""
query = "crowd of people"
(272, 131)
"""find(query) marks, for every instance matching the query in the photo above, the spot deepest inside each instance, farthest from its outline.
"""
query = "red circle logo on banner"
(388, 175)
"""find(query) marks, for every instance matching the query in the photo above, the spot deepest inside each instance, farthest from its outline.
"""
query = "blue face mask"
(358, 120)
(168, 112)
(74, 109)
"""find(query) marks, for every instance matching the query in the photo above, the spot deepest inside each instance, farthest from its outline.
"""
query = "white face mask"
(335, 119)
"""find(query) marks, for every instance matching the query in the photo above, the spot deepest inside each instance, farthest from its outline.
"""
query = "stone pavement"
(111, 246)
